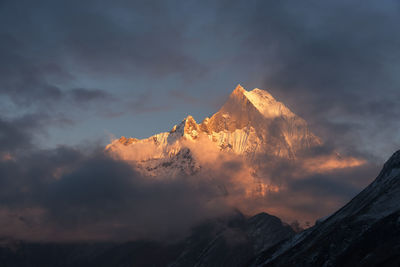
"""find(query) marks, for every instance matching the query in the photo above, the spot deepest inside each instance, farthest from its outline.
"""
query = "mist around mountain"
(254, 148)
(250, 123)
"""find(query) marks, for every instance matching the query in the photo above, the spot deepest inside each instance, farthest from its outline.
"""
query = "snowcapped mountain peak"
(247, 107)
(249, 123)
(238, 90)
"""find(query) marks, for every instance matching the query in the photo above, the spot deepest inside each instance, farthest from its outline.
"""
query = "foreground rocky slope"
(365, 232)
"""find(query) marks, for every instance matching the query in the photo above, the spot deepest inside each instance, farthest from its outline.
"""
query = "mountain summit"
(249, 123)
(253, 121)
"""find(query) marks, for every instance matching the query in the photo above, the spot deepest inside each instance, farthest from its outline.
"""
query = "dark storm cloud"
(102, 38)
(15, 134)
(83, 194)
(67, 194)
(21, 79)
(156, 51)
(83, 95)
(30, 82)
(18, 133)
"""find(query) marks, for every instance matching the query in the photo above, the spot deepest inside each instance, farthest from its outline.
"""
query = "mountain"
(254, 122)
(230, 241)
(250, 123)
(365, 232)
(239, 151)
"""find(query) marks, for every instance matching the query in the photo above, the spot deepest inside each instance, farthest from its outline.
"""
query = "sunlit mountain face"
(252, 148)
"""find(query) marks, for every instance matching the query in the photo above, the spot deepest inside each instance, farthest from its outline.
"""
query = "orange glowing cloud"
(327, 163)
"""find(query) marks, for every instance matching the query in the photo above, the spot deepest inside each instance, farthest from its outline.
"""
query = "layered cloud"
(65, 194)
(304, 189)
(70, 194)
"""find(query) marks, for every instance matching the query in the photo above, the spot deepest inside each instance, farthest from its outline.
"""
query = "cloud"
(32, 84)
(84, 193)
(18, 133)
(82, 95)
(50, 55)
(102, 38)
(156, 48)
(312, 186)
(66, 194)
(12, 136)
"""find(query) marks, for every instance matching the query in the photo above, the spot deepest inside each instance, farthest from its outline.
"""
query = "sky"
(75, 73)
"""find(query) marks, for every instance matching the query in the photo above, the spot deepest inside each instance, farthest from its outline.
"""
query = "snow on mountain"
(249, 123)
(254, 122)
(365, 232)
